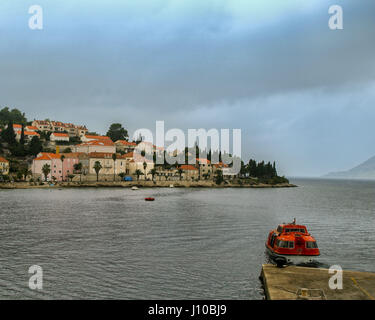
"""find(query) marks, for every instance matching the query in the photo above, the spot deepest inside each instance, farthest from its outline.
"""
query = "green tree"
(219, 176)
(75, 140)
(117, 132)
(9, 135)
(26, 172)
(138, 173)
(19, 175)
(13, 115)
(274, 169)
(44, 135)
(70, 176)
(252, 168)
(144, 168)
(122, 175)
(18, 150)
(153, 173)
(35, 146)
(114, 157)
(78, 168)
(22, 139)
(139, 139)
(46, 169)
(62, 158)
(180, 172)
(97, 168)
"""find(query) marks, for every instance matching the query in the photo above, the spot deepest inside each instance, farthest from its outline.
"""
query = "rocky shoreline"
(144, 184)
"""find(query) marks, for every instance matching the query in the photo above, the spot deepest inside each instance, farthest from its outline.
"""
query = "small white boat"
(171, 186)
(135, 188)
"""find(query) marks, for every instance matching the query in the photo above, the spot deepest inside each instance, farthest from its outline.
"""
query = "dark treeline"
(8, 135)
(14, 115)
(260, 169)
(20, 149)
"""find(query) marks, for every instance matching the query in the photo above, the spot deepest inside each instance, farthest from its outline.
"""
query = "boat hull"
(290, 259)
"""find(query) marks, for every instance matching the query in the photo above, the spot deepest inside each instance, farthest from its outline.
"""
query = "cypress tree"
(22, 140)
(9, 135)
(196, 151)
(274, 169)
(35, 146)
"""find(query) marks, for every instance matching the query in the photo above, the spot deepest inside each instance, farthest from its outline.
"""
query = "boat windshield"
(295, 230)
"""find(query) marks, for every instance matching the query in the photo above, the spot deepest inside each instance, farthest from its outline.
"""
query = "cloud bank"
(301, 93)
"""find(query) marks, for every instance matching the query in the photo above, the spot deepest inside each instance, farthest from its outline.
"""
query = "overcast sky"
(303, 95)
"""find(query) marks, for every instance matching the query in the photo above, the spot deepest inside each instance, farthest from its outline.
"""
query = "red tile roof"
(125, 143)
(128, 155)
(187, 167)
(102, 155)
(48, 156)
(31, 128)
(97, 137)
(30, 133)
(72, 155)
(220, 165)
(203, 161)
(103, 142)
(57, 134)
(59, 124)
(3, 159)
(43, 157)
(42, 122)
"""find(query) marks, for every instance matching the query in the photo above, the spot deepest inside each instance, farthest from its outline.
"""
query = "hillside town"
(45, 151)
(95, 157)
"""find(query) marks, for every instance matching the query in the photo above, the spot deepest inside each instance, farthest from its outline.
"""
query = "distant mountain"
(365, 170)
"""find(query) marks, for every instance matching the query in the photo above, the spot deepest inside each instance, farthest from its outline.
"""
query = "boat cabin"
(287, 228)
(292, 239)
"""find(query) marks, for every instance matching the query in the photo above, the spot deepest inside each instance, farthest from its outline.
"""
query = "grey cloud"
(198, 67)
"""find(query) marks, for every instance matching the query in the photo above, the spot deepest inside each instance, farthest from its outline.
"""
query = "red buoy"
(149, 199)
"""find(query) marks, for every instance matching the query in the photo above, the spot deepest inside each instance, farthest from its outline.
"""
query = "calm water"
(188, 244)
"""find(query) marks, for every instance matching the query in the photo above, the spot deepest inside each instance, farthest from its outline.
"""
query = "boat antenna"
(294, 221)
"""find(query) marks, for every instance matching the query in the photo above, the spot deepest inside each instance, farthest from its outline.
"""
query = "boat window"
(285, 244)
(311, 245)
(279, 229)
(273, 237)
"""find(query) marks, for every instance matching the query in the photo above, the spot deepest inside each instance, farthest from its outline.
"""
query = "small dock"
(294, 283)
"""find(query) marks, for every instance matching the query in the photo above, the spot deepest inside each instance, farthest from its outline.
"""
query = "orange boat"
(291, 244)
(149, 199)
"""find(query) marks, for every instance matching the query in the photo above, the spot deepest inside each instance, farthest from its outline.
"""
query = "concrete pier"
(293, 283)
